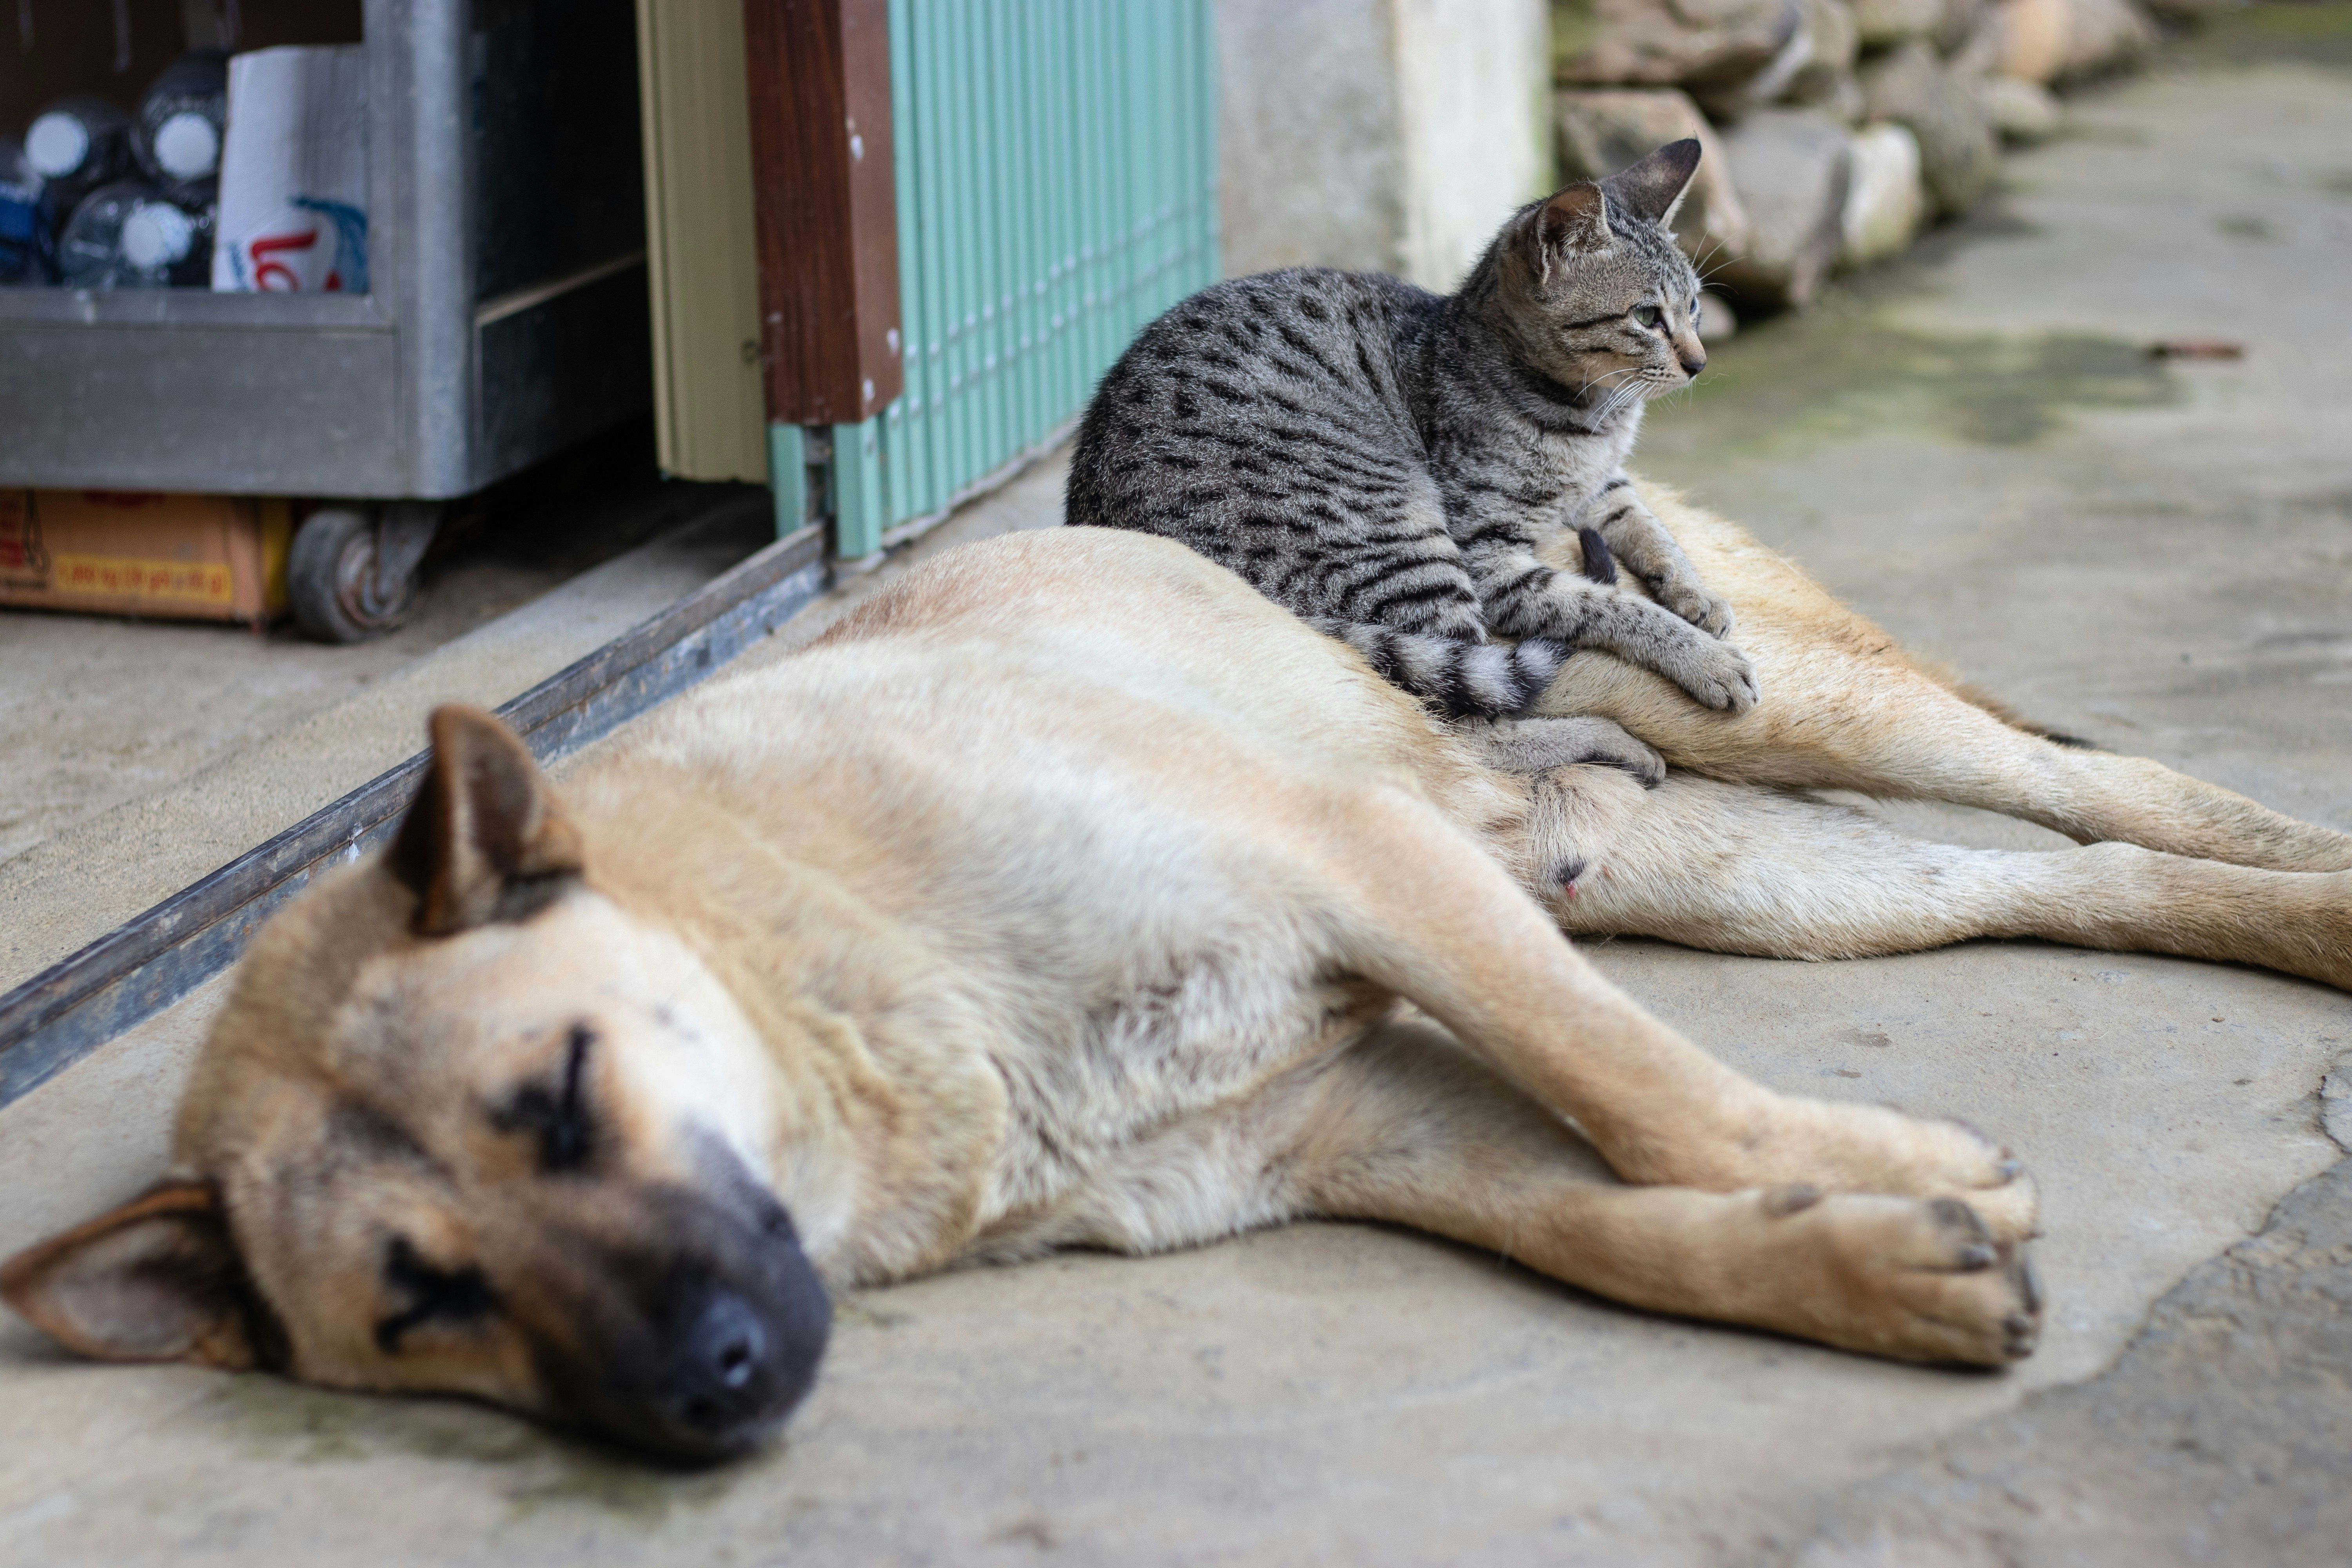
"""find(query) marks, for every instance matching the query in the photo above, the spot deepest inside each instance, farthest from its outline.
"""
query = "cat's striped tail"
(1460, 679)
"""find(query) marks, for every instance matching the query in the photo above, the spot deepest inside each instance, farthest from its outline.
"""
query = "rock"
(2050, 41)
(2033, 39)
(1601, 132)
(1717, 323)
(2104, 35)
(1790, 168)
(1900, 83)
(1979, 53)
(2019, 110)
(1959, 23)
(1886, 22)
(1825, 82)
(1884, 202)
(1957, 154)
(1707, 47)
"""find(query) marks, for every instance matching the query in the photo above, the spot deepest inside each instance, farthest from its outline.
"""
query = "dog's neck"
(846, 1010)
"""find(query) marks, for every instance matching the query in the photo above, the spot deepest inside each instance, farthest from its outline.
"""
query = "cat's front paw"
(1710, 613)
(1715, 673)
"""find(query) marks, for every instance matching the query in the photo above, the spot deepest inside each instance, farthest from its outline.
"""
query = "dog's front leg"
(1402, 1128)
(1419, 910)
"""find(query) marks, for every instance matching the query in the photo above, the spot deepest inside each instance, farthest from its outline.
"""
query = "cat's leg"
(1409, 902)
(1736, 869)
(1403, 1129)
(1642, 545)
(1525, 599)
(1539, 746)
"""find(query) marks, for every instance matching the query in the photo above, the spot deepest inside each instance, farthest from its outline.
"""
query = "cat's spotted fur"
(1386, 463)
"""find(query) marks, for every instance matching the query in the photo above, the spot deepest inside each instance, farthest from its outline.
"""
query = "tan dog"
(1065, 894)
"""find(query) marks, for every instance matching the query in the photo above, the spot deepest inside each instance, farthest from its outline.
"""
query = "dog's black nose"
(724, 1373)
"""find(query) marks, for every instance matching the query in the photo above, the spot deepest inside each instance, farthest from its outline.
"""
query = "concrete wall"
(1473, 86)
(1377, 135)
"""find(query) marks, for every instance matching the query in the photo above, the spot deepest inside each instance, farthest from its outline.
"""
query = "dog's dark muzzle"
(699, 1337)
(728, 1377)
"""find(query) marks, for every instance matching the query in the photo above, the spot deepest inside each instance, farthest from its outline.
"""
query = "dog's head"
(466, 1126)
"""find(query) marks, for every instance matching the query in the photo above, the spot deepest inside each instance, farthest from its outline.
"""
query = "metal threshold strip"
(136, 971)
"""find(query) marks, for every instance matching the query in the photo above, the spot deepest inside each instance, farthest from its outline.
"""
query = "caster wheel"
(352, 573)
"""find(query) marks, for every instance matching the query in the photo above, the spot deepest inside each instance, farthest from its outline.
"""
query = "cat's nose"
(1693, 364)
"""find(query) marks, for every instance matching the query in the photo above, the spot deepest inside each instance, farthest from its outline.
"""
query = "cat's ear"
(1574, 222)
(1652, 189)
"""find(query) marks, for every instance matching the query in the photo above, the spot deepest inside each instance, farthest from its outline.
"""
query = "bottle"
(27, 247)
(77, 144)
(128, 235)
(177, 137)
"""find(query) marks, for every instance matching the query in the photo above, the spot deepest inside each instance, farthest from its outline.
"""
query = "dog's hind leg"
(1414, 905)
(1736, 869)
(1845, 707)
(1403, 1129)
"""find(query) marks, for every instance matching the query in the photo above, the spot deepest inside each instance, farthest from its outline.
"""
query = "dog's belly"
(1134, 1100)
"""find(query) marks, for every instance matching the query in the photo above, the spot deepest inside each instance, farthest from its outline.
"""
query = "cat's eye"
(1693, 307)
(1649, 315)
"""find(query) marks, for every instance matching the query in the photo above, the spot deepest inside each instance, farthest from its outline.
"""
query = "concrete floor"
(1975, 449)
(136, 757)
(96, 712)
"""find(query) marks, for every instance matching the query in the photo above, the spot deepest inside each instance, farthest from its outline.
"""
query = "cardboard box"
(214, 558)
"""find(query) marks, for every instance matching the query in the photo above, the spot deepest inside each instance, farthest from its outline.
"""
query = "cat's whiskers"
(1604, 375)
(1617, 399)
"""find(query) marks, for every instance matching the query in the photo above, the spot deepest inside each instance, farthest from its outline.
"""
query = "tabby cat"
(1387, 464)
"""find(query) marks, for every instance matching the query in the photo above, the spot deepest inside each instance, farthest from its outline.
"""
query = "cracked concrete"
(2223, 1434)
(1972, 449)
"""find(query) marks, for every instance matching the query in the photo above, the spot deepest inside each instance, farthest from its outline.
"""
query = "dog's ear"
(1575, 221)
(1653, 188)
(486, 839)
(157, 1279)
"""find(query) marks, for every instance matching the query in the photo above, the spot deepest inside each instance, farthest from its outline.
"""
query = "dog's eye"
(445, 1295)
(1648, 315)
(560, 1114)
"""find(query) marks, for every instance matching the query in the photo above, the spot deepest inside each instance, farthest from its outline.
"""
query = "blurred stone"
(1708, 47)
(1825, 82)
(2049, 41)
(1961, 20)
(1957, 153)
(2105, 35)
(1884, 202)
(1979, 54)
(1790, 168)
(1603, 131)
(1717, 322)
(2033, 39)
(2020, 112)
(1884, 23)
(1729, 100)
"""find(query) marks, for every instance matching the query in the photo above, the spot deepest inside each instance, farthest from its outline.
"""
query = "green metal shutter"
(1056, 170)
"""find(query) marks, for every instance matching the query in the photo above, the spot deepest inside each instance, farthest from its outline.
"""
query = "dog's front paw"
(1921, 1279)
(1855, 1148)
(1836, 1146)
